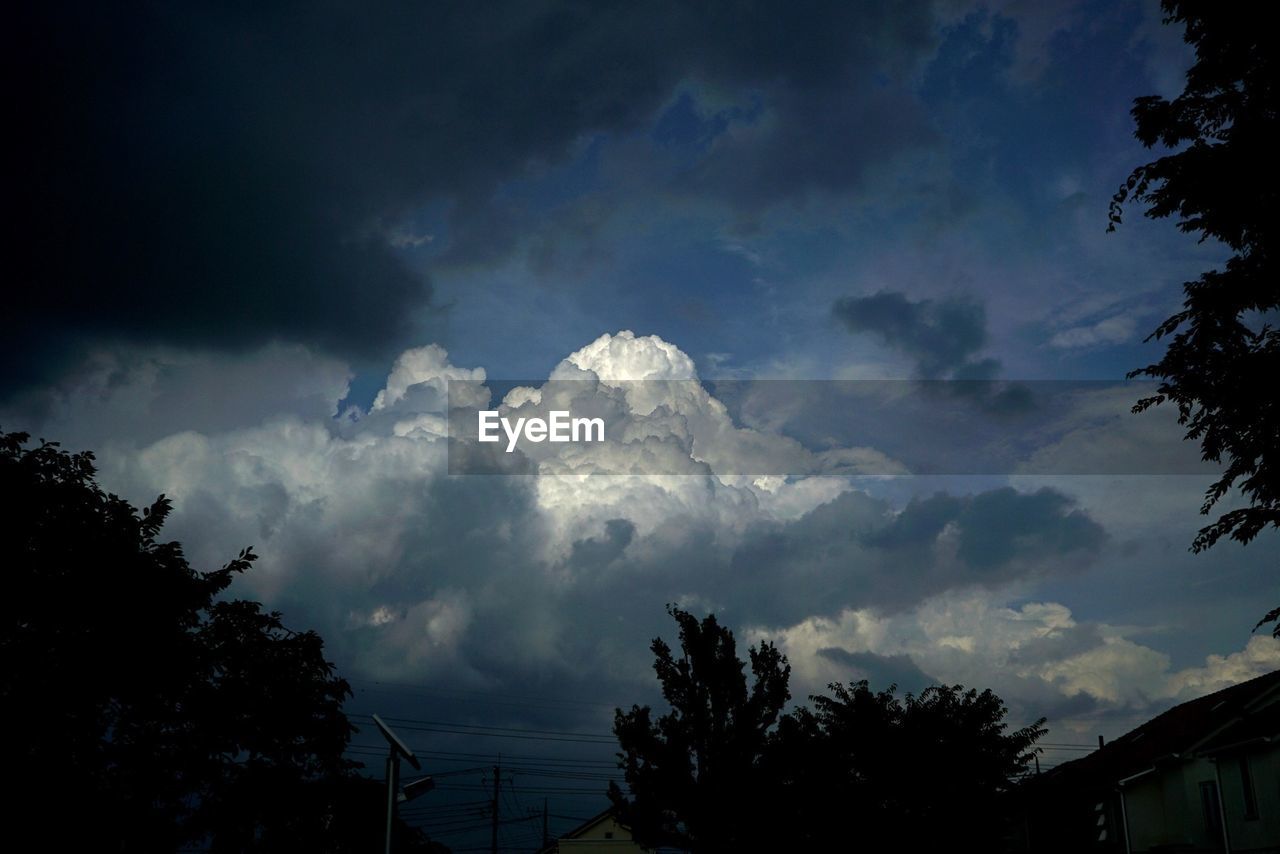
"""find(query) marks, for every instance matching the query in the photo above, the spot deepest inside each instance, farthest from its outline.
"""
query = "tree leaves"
(1223, 357)
(694, 773)
(726, 770)
(182, 716)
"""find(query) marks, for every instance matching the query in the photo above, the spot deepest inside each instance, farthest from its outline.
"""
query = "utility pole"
(497, 784)
(546, 840)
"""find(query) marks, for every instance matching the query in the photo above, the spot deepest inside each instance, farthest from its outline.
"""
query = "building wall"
(1262, 833)
(604, 837)
(1164, 809)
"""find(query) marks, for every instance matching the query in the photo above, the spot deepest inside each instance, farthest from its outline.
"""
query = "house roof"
(608, 814)
(1213, 723)
(588, 824)
(1260, 721)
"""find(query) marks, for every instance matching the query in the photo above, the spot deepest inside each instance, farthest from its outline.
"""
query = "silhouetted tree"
(936, 769)
(141, 710)
(725, 770)
(694, 773)
(1221, 365)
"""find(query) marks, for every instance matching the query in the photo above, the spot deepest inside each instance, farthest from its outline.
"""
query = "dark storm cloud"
(1058, 645)
(597, 552)
(880, 671)
(995, 528)
(824, 135)
(942, 336)
(228, 175)
(852, 551)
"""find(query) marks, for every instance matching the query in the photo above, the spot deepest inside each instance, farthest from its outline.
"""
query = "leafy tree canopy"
(1219, 179)
(941, 763)
(135, 696)
(694, 772)
(726, 769)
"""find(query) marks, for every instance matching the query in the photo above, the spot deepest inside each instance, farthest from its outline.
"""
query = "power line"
(539, 790)
(1061, 746)
(485, 729)
(456, 831)
(453, 756)
(538, 762)
(446, 810)
(485, 696)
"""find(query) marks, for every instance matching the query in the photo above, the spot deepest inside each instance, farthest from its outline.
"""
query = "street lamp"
(421, 786)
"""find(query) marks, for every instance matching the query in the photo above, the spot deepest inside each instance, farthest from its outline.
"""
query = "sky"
(261, 241)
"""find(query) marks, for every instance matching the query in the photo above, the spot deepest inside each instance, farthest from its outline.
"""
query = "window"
(1248, 793)
(1209, 803)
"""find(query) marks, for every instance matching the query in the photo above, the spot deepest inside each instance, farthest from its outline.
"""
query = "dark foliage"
(940, 763)
(695, 773)
(136, 698)
(1223, 357)
(725, 770)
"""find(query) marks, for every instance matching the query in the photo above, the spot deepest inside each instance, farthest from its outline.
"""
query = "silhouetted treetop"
(694, 771)
(726, 770)
(182, 717)
(1220, 180)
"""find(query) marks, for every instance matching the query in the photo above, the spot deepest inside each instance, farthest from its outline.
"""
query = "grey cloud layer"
(942, 336)
(559, 580)
(856, 550)
(361, 528)
(229, 175)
